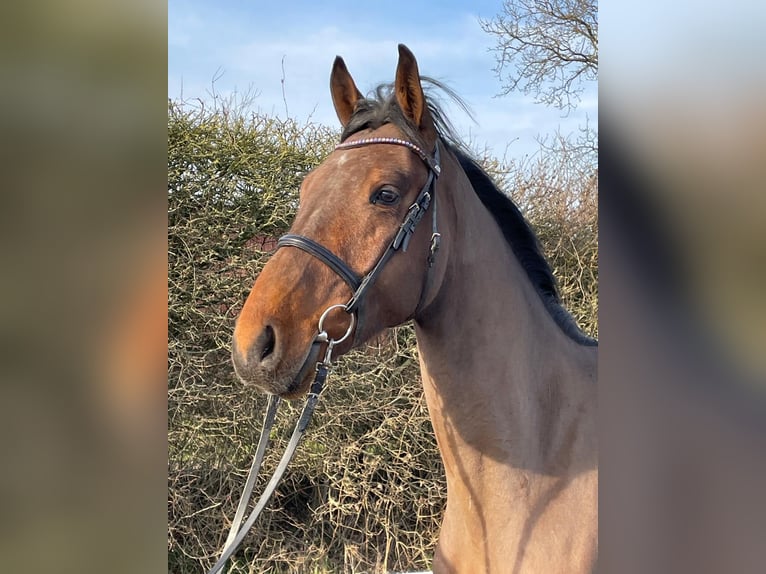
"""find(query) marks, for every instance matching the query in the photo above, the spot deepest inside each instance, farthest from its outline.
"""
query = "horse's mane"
(382, 108)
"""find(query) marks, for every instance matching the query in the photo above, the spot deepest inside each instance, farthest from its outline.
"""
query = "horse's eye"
(385, 196)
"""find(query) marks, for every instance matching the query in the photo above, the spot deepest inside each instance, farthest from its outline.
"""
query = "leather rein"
(359, 287)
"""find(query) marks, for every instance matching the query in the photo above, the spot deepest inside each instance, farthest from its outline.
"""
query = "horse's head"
(349, 229)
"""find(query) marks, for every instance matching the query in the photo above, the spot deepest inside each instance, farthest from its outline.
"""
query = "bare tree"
(551, 46)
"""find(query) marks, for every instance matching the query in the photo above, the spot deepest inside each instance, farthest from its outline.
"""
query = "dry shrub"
(365, 491)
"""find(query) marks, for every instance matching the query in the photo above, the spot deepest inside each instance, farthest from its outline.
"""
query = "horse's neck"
(511, 397)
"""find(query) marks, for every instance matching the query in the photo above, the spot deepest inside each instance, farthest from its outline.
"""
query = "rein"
(237, 534)
(359, 287)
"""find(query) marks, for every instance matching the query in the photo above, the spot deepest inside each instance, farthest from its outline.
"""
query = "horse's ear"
(409, 92)
(344, 92)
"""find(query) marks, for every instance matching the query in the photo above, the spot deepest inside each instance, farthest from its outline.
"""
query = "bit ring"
(334, 342)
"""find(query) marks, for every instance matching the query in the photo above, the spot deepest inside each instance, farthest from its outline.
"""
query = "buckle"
(436, 240)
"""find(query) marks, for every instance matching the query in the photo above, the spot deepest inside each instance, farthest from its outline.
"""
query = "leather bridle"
(361, 285)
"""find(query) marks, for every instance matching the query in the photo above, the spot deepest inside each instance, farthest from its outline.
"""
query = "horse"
(509, 378)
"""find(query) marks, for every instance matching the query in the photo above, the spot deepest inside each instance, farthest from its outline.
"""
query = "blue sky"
(242, 45)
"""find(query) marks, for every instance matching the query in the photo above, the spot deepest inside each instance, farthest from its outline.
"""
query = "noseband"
(361, 285)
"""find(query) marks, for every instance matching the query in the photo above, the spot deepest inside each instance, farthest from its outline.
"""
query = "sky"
(249, 47)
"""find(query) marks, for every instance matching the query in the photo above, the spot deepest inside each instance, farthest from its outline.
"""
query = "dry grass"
(366, 491)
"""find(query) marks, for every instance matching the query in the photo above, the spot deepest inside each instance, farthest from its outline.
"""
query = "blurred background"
(84, 291)
(682, 246)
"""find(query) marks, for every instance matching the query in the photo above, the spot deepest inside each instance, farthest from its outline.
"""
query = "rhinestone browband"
(380, 140)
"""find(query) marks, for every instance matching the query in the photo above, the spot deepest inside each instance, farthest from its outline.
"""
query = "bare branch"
(546, 47)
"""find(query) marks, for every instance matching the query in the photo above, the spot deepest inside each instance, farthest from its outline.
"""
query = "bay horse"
(509, 378)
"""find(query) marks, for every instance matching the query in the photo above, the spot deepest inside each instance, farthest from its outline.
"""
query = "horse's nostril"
(268, 342)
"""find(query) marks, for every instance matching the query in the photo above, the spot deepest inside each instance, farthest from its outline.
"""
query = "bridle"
(359, 287)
